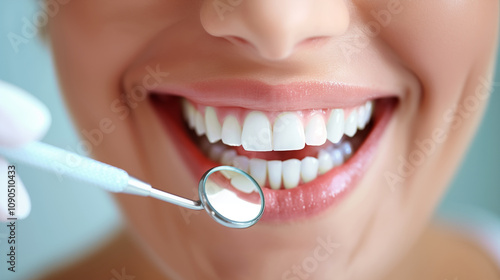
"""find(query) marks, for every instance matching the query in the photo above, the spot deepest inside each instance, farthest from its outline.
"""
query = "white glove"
(22, 119)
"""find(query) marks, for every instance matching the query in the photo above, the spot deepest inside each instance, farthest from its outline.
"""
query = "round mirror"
(231, 196)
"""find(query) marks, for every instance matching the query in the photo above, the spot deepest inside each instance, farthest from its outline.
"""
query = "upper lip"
(257, 95)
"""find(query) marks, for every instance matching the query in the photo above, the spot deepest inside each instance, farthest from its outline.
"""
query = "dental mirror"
(229, 195)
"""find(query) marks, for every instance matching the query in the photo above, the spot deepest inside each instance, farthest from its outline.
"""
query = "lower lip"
(293, 204)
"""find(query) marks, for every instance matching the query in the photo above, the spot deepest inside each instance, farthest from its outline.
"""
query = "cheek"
(89, 77)
(92, 46)
(449, 46)
(444, 42)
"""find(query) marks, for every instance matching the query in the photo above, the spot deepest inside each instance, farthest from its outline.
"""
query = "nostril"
(274, 29)
(308, 41)
(238, 40)
(313, 41)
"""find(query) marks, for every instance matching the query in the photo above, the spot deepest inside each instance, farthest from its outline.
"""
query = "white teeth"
(309, 169)
(337, 157)
(335, 125)
(228, 157)
(212, 125)
(213, 188)
(346, 150)
(199, 124)
(258, 170)
(325, 162)
(288, 133)
(369, 107)
(361, 117)
(241, 162)
(351, 124)
(231, 131)
(315, 132)
(291, 173)
(242, 183)
(189, 113)
(274, 170)
(256, 134)
(368, 111)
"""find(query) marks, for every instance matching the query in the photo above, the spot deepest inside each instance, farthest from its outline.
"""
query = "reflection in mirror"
(234, 195)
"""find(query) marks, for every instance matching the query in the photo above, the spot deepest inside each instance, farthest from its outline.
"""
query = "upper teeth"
(285, 132)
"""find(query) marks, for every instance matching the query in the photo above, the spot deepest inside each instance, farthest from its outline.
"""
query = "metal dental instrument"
(229, 195)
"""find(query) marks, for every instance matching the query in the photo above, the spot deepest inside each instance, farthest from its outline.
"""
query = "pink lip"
(257, 95)
(281, 205)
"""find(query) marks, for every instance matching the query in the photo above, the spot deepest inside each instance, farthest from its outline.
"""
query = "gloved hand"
(22, 119)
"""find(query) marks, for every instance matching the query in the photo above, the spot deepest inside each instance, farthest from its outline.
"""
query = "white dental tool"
(219, 188)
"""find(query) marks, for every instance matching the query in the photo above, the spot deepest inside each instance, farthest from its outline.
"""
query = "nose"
(274, 28)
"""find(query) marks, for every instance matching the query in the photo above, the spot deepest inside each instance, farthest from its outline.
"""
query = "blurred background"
(70, 218)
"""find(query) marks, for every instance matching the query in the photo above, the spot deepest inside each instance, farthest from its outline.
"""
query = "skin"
(432, 54)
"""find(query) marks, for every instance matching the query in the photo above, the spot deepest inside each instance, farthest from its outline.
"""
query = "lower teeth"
(277, 174)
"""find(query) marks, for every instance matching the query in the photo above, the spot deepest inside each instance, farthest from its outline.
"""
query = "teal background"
(72, 218)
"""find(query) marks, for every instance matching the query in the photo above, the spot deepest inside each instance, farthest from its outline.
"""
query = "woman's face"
(423, 67)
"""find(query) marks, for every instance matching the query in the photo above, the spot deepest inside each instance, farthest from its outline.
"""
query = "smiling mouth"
(304, 160)
(280, 150)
